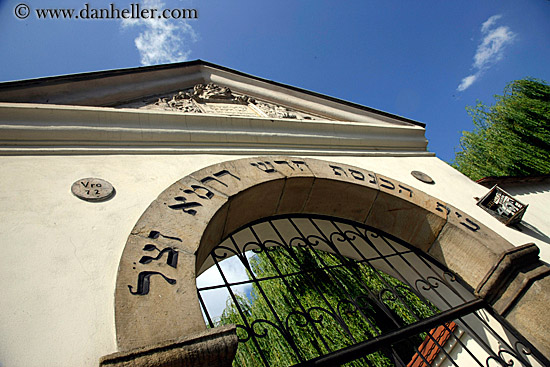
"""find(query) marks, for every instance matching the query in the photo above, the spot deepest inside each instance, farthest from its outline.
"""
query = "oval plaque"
(92, 189)
(422, 177)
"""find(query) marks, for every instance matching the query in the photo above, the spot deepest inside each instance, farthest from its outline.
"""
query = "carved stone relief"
(214, 99)
(277, 111)
(178, 102)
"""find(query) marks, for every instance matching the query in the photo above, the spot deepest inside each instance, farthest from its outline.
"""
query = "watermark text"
(133, 11)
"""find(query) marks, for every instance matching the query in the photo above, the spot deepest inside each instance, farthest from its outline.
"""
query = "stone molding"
(506, 265)
(209, 348)
(511, 276)
(52, 129)
(193, 215)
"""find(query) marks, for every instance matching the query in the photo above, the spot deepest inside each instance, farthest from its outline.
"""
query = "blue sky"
(425, 60)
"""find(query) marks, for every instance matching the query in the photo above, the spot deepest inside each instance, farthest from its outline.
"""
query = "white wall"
(59, 254)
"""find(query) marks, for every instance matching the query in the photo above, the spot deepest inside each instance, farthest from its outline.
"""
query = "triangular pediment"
(192, 107)
(192, 87)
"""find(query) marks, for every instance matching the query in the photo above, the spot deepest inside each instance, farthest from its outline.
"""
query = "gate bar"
(364, 348)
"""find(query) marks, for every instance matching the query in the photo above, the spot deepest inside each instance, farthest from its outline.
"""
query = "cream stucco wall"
(536, 220)
(59, 254)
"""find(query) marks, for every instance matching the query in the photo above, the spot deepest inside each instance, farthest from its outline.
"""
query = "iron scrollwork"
(365, 304)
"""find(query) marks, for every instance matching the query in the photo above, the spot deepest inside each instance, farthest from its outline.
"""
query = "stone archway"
(155, 298)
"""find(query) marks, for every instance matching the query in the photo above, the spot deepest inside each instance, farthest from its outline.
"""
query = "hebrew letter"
(155, 234)
(336, 169)
(475, 227)
(284, 162)
(224, 173)
(439, 206)
(299, 164)
(172, 259)
(392, 187)
(184, 206)
(407, 189)
(357, 175)
(144, 281)
(373, 178)
(206, 194)
(266, 166)
(217, 175)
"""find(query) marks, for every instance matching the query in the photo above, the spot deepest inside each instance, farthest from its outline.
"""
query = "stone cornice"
(54, 129)
(110, 88)
(294, 98)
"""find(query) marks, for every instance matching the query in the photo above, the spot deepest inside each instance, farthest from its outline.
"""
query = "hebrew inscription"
(293, 163)
(172, 259)
(468, 223)
(353, 173)
(157, 234)
(278, 165)
(403, 188)
(185, 206)
(338, 171)
(199, 192)
(144, 277)
(216, 177)
(144, 281)
(387, 184)
(440, 207)
(266, 166)
(357, 175)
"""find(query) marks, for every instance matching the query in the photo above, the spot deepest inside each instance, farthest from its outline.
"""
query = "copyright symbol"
(22, 11)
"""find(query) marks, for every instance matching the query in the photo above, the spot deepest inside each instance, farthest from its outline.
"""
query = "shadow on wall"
(532, 231)
(518, 190)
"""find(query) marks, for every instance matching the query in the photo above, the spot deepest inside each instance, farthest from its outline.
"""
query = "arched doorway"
(175, 236)
(323, 291)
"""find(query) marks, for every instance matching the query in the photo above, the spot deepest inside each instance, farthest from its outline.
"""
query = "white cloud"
(491, 48)
(161, 40)
(466, 82)
(489, 51)
(490, 22)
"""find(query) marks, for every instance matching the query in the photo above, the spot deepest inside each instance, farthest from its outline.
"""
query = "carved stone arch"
(156, 298)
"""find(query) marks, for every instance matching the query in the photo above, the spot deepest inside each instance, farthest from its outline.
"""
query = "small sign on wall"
(502, 206)
(92, 189)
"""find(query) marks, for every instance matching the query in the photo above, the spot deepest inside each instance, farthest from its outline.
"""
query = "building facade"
(118, 185)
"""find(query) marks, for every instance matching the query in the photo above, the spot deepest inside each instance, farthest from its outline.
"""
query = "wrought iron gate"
(321, 291)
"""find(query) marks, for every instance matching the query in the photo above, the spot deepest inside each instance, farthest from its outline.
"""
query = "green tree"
(315, 284)
(510, 138)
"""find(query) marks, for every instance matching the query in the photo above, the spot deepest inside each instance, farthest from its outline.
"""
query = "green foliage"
(510, 138)
(306, 290)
